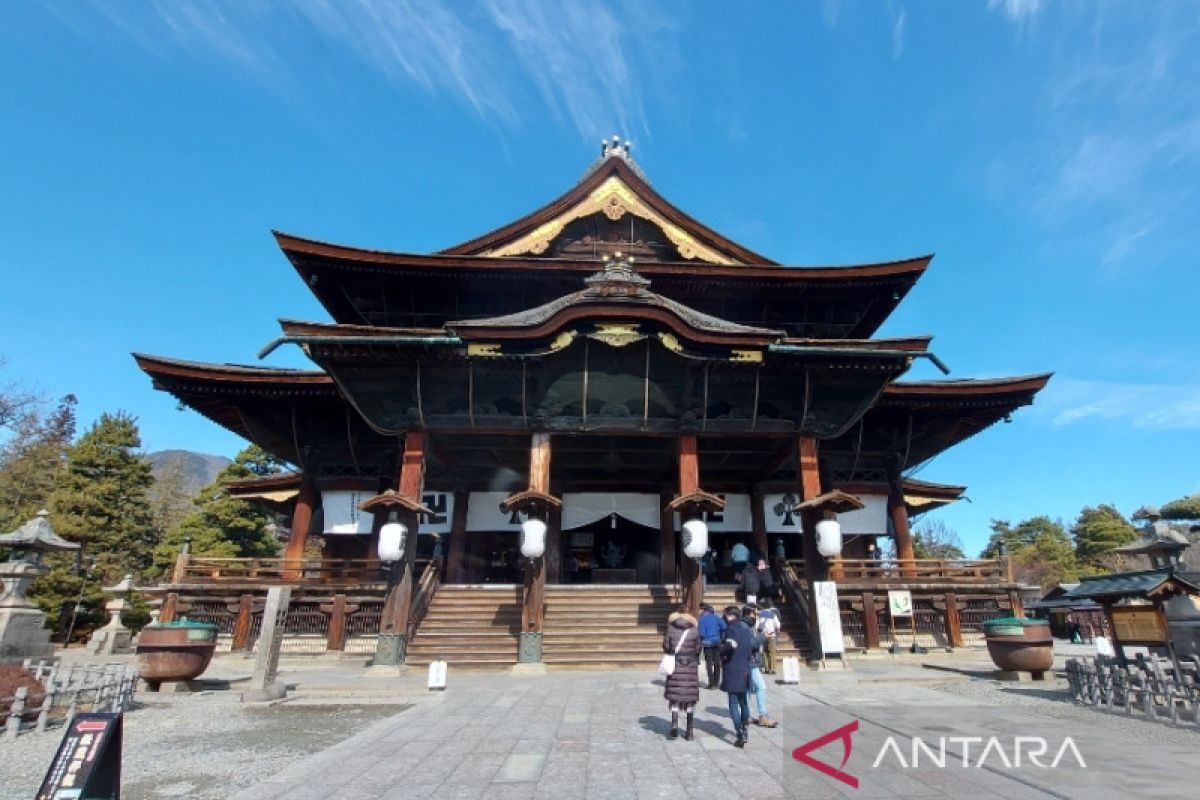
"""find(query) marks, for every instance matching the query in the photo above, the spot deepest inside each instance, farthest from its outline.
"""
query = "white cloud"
(1155, 407)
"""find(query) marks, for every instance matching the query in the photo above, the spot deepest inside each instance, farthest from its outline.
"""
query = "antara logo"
(992, 751)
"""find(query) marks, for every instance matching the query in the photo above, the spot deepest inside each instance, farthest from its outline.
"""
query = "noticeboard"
(88, 761)
(829, 616)
(1140, 625)
(900, 603)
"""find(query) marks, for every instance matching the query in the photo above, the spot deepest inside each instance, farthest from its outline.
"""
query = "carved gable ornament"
(616, 334)
(614, 199)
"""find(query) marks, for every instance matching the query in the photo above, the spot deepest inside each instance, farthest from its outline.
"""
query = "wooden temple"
(614, 366)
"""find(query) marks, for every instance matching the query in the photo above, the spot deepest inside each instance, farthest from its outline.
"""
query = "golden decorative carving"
(483, 350)
(746, 356)
(563, 340)
(616, 334)
(671, 342)
(614, 199)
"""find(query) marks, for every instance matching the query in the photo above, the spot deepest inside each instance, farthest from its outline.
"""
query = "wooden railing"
(789, 579)
(897, 572)
(191, 569)
(426, 588)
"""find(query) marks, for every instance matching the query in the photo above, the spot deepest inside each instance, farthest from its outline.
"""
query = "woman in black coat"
(683, 685)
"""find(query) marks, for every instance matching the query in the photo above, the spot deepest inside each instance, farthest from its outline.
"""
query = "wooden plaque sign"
(900, 603)
(88, 761)
(1140, 625)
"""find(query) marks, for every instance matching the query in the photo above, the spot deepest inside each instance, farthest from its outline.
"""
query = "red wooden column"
(758, 524)
(870, 622)
(536, 502)
(405, 502)
(898, 512)
(456, 548)
(814, 563)
(666, 529)
(293, 554)
(691, 503)
(953, 624)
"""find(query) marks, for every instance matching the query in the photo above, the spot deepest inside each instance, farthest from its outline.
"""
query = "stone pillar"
(114, 638)
(264, 683)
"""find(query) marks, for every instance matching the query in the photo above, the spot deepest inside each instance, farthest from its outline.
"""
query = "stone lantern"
(23, 632)
(114, 638)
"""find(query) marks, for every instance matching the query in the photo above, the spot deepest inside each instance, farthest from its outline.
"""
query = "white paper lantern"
(829, 538)
(392, 538)
(533, 538)
(695, 538)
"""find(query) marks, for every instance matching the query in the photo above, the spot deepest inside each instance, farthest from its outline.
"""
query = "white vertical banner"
(829, 616)
(342, 514)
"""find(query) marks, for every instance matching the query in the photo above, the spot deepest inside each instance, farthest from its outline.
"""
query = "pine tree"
(30, 461)
(222, 526)
(935, 539)
(1040, 549)
(1183, 509)
(1097, 531)
(100, 498)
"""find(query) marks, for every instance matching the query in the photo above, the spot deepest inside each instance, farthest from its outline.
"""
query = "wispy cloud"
(1020, 12)
(580, 57)
(1155, 407)
(898, 33)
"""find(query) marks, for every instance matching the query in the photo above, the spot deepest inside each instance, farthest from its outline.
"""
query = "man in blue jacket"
(712, 629)
(738, 650)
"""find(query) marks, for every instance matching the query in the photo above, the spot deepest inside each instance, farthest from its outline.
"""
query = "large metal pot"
(175, 651)
(1017, 644)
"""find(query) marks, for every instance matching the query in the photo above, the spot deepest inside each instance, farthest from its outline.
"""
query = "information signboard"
(1140, 625)
(829, 616)
(900, 603)
(88, 761)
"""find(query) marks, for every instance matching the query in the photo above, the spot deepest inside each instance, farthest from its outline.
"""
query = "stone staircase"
(596, 626)
(793, 635)
(473, 627)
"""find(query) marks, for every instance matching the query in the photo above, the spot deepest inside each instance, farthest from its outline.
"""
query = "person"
(727, 563)
(1073, 629)
(768, 624)
(758, 685)
(737, 649)
(683, 685)
(712, 629)
(741, 556)
(751, 583)
(766, 580)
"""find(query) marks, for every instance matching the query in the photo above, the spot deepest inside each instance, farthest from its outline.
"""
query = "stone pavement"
(602, 735)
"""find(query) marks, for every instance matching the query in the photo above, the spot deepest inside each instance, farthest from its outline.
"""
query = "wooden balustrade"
(895, 572)
(427, 587)
(201, 570)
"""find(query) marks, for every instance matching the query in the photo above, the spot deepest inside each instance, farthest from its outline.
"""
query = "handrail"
(427, 587)
(791, 582)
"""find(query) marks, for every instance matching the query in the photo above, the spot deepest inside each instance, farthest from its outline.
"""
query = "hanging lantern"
(829, 538)
(695, 538)
(533, 538)
(392, 538)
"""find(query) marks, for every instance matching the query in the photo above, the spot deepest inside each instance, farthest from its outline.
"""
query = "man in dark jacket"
(737, 650)
(712, 629)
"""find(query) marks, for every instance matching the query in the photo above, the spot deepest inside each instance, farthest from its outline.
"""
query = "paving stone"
(523, 768)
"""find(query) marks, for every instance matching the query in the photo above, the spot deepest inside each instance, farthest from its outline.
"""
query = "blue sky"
(1048, 153)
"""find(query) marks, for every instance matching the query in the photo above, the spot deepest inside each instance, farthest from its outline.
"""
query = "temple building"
(611, 366)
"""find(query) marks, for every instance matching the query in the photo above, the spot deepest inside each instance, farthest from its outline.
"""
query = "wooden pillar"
(870, 621)
(814, 563)
(953, 624)
(242, 623)
(898, 513)
(554, 545)
(758, 524)
(666, 527)
(170, 608)
(535, 570)
(689, 484)
(338, 610)
(456, 547)
(1014, 599)
(293, 554)
(411, 483)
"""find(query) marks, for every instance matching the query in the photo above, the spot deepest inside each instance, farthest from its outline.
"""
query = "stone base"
(1018, 677)
(272, 691)
(386, 670)
(23, 635)
(390, 649)
(530, 649)
(531, 668)
(111, 641)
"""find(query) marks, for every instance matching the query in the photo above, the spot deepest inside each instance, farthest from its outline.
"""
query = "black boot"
(689, 735)
(674, 734)
(740, 741)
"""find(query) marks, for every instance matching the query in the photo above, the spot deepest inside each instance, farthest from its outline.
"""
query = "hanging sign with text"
(829, 616)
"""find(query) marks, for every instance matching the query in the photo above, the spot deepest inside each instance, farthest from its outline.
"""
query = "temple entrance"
(612, 550)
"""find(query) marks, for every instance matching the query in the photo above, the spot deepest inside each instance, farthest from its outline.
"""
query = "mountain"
(197, 470)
